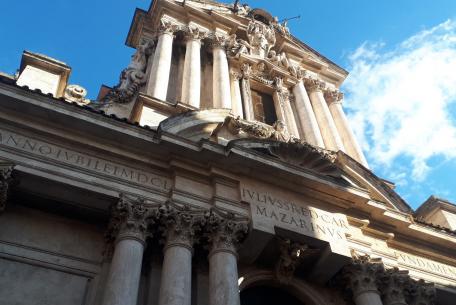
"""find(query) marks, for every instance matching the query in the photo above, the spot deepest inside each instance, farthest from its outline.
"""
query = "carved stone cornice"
(291, 256)
(392, 285)
(129, 220)
(419, 293)
(6, 169)
(363, 274)
(180, 225)
(313, 85)
(225, 231)
(333, 96)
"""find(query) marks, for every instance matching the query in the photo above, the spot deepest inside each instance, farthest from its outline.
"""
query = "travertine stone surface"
(236, 95)
(221, 77)
(191, 82)
(306, 115)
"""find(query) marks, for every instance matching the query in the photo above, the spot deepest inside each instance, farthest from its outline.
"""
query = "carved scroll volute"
(392, 285)
(333, 96)
(180, 225)
(6, 170)
(363, 274)
(419, 293)
(225, 231)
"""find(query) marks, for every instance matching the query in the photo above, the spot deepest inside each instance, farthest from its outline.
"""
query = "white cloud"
(398, 100)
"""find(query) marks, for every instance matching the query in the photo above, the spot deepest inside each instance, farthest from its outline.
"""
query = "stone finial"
(419, 293)
(129, 220)
(363, 274)
(76, 94)
(392, 285)
(6, 169)
(180, 225)
(225, 231)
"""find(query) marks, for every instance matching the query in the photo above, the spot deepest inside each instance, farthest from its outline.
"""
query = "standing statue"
(261, 38)
(280, 59)
(236, 47)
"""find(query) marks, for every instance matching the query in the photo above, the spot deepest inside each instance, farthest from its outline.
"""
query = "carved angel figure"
(236, 47)
(261, 38)
(280, 59)
(281, 132)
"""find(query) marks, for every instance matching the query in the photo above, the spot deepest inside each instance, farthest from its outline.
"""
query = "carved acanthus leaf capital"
(6, 170)
(363, 274)
(226, 231)
(167, 27)
(218, 40)
(314, 85)
(246, 70)
(392, 284)
(419, 293)
(333, 96)
(194, 33)
(129, 219)
(180, 225)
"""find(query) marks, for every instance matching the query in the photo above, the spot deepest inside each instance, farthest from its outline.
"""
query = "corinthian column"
(179, 226)
(362, 277)
(283, 108)
(226, 232)
(6, 170)
(221, 74)
(191, 83)
(236, 94)
(393, 285)
(157, 85)
(128, 229)
(325, 121)
(419, 293)
(334, 99)
(309, 124)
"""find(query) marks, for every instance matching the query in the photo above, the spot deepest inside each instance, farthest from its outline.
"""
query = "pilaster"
(6, 169)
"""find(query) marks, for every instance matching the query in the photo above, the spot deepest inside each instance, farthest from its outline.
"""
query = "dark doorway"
(263, 107)
(263, 295)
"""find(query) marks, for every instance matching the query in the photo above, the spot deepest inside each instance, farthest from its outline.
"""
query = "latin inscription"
(298, 217)
(81, 160)
(425, 264)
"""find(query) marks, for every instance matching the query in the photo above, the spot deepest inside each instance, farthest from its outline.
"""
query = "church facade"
(220, 170)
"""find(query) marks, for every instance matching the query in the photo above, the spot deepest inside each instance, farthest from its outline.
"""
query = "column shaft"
(191, 83)
(246, 93)
(280, 111)
(325, 121)
(236, 96)
(157, 85)
(223, 279)
(175, 288)
(368, 298)
(346, 133)
(221, 79)
(123, 280)
(309, 125)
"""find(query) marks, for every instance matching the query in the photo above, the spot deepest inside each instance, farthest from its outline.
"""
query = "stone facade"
(247, 186)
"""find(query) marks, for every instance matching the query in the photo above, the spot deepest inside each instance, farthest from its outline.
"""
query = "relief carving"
(419, 293)
(261, 38)
(225, 231)
(131, 78)
(194, 33)
(76, 94)
(333, 96)
(6, 169)
(236, 47)
(392, 285)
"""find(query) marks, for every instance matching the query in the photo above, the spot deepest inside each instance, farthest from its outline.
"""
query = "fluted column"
(191, 82)
(236, 94)
(246, 93)
(157, 85)
(128, 228)
(325, 121)
(309, 124)
(361, 278)
(334, 99)
(226, 232)
(6, 170)
(220, 75)
(179, 226)
(283, 108)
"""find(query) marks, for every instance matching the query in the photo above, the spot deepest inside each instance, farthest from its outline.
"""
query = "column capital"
(236, 75)
(333, 96)
(218, 41)
(280, 88)
(167, 27)
(363, 274)
(6, 169)
(246, 70)
(225, 231)
(312, 85)
(392, 284)
(129, 220)
(418, 292)
(194, 33)
(180, 225)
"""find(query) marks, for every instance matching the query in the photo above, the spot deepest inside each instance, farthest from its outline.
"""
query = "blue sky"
(401, 55)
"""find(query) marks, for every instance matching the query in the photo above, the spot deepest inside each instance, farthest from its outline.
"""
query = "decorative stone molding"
(180, 225)
(131, 78)
(246, 70)
(333, 96)
(129, 220)
(419, 293)
(225, 231)
(76, 94)
(6, 169)
(194, 33)
(217, 40)
(259, 130)
(363, 274)
(314, 85)
(167, 27)
(236, 46)
(241, 9)
(291, 256)
(261, 38)
(279, 59)
(392, 285)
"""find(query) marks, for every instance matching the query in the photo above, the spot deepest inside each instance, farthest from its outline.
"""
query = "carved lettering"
(426, 264)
